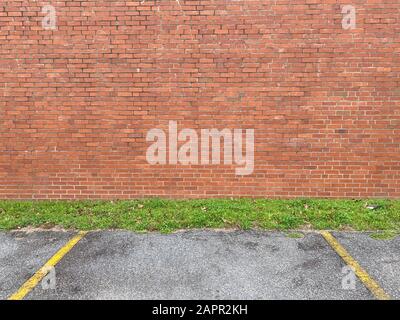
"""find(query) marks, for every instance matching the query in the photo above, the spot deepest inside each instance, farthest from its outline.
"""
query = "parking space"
(197, 265)
(380, 257)
(22, 254)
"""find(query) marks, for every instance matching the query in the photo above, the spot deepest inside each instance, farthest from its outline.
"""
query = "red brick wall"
(76, 102)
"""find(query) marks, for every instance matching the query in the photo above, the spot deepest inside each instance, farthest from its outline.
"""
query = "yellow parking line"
(363, 275)
(42, 272)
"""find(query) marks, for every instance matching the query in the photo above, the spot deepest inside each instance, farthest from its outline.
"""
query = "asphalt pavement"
(197, 264)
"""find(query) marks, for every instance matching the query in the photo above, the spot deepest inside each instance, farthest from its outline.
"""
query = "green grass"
(295, 235)
(384, 235)
(168, 215)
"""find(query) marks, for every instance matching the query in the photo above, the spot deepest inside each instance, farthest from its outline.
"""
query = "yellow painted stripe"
(363, 275)
(42, 272)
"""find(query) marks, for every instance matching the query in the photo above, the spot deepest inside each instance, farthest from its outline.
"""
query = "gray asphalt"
(22, 254)
(196, 265)
(381, 258)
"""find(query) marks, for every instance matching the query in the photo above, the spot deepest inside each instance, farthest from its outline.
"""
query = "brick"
(76, 102)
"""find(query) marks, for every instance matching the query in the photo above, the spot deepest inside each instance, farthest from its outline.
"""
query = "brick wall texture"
(77, 102)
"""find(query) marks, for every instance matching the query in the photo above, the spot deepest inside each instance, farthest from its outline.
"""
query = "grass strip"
(168, 215)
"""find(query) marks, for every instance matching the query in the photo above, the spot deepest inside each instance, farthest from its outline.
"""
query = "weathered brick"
(76, 102)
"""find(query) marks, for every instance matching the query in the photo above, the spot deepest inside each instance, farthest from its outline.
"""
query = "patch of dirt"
(30, 229)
